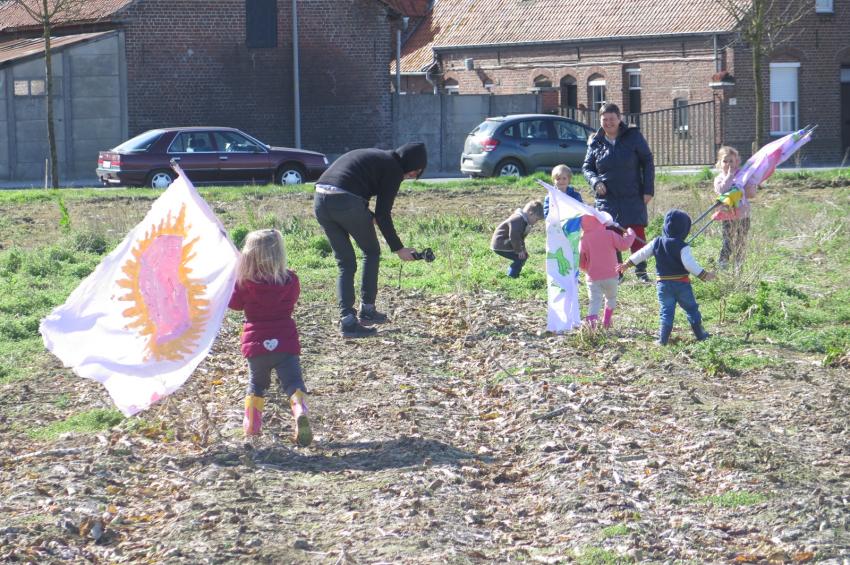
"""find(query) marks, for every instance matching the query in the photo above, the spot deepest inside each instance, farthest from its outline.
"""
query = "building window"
(823, 6)
(596, 89)
(634, 90)
(569, 92)
(34, 87)
(680, 116)
(451, 86)
(783, 97)
(261, 23)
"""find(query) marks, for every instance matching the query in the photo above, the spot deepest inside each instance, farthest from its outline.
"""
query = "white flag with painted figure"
(147, 316)
(563, 233)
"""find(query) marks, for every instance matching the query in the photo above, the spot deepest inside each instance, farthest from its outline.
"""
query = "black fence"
(684, 135)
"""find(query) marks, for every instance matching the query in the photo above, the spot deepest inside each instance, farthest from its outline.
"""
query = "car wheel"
(160, 179)
(509, 168)
(290, 174)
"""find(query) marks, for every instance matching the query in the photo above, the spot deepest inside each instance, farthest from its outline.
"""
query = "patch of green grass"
(614, 530)
(91, 421)
(578, 379)
(591, 555)
(62, 401)
(733, 499)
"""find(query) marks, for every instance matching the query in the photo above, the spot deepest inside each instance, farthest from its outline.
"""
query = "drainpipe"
(716, 56)
(296, 79)
(398, 61)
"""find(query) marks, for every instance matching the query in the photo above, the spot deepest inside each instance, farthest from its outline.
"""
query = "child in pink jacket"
(598, 259)
(735, 221)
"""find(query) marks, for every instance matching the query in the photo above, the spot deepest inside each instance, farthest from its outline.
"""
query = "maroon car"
(207, 155)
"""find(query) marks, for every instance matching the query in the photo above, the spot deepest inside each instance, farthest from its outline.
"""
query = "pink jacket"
(722, 183)
(268, 327)
(598, 249)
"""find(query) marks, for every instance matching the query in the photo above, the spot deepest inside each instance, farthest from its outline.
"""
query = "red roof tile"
(19, 48)
(412, 8)
(13, 16)
(489, 22)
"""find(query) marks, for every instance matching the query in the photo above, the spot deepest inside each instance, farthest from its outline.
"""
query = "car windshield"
(141, 142)
(485, 128)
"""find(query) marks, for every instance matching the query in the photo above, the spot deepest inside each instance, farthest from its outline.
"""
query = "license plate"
(107, 164)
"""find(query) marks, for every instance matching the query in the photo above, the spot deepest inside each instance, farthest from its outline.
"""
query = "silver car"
(521, 144)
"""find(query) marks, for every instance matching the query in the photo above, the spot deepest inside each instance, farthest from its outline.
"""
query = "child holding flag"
(267, 292)
(736, 221)
(562, 176)
(598, 259)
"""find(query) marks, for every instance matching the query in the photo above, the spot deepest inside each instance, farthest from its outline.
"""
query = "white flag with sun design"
(149, 313)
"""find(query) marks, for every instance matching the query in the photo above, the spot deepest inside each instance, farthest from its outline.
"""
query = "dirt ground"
(463, 433)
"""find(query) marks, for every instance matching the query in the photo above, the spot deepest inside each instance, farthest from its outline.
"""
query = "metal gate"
(684, 135)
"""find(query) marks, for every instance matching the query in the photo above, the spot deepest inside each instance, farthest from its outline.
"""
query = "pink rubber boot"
(303, 433)
(253, 420)
(591, 321)
(606, 318)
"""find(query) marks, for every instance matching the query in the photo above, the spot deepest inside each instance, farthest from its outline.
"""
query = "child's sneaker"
(303, 433)
(350, 327)
(591, 321)
(252, 422)
(369, 315)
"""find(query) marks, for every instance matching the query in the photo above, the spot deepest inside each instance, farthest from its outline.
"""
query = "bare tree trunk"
(48, 72)
(758, 91)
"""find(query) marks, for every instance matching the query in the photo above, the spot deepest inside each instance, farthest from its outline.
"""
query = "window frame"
(595, 86)
(261, 30)
(794, 114)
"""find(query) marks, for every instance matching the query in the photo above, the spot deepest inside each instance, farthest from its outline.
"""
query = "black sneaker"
(643, 277)
(371, 316)
(350, 327)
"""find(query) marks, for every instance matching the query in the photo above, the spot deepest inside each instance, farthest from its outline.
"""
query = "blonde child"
(598, 259)
(562, 176)
(267, 292)
(735, 221)
(509, 238)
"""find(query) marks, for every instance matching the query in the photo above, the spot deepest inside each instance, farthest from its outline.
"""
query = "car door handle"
(222, 157)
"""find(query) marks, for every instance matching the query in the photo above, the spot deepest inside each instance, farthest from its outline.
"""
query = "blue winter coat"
(628, 171)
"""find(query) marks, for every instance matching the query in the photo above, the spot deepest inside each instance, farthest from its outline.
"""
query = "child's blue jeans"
(671, 293)
(516, 263)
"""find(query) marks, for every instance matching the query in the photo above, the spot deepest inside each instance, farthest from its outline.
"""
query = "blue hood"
(677, 224)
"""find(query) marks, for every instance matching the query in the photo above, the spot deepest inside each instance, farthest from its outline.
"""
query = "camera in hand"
(426, 255)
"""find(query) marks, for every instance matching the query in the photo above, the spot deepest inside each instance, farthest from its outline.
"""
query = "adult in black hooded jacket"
(342, 207)
(620, 169)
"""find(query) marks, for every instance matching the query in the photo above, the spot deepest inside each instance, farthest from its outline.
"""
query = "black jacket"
(377, 172)
(628, 171)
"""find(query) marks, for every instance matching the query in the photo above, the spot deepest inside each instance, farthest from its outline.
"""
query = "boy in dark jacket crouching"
(509, 238)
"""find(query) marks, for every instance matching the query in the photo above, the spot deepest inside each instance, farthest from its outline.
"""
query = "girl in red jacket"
(267, 291)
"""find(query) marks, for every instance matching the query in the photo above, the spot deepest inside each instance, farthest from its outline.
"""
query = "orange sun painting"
(168, 306)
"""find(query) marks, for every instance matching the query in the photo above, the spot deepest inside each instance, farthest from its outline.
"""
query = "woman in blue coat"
(620, 170)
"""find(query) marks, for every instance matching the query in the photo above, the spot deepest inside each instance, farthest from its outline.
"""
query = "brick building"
(230, 63)
(644, 56)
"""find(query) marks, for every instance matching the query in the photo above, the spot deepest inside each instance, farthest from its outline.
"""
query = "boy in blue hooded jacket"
(674, 265)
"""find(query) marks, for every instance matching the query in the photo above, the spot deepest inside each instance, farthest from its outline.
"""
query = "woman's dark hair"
(609, 107)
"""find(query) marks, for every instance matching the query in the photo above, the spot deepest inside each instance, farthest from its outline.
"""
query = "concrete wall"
(95, 106)
(5, 158)
(89, 110)
(442, 122)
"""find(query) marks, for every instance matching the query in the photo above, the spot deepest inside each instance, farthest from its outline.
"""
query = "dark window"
(261, 23)
(680, 116)
(534, 129)
(141, 142)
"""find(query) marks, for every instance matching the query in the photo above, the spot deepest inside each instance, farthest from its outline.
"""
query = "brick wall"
(346, 48)
(821, 44)
(187, 64)
(669, 69)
